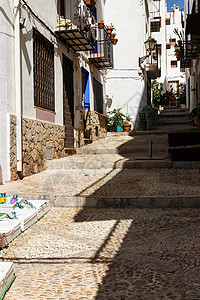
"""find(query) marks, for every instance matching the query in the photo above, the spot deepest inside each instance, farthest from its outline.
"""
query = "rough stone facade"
(40, 141)
(13, 147)
(95, 128)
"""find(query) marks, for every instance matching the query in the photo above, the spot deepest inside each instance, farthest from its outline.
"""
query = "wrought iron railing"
(102, 55)
(78, 28)
(153, 64)
(155, 16)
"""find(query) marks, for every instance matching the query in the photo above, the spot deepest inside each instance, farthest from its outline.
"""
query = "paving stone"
(90, 253)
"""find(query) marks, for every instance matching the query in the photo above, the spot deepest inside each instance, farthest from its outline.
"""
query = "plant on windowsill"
(116, 118)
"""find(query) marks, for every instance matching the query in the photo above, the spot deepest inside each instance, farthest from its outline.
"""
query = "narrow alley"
(122, 225)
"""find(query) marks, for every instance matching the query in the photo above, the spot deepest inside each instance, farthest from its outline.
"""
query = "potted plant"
(177, 51)
(116, 118)
(101, 24)
(115, 41)
(127, 124)
(110, 28)
(91, 3)
(112, 36)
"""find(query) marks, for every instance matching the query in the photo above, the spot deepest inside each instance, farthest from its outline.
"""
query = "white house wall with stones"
(51, 84)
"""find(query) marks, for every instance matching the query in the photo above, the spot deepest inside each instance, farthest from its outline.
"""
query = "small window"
(168, 46)
(167, 21)
(173, 63)
(173, 42)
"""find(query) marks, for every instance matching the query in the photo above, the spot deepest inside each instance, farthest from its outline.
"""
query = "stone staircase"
(120, 170)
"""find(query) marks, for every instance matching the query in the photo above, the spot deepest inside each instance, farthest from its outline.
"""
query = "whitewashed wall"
(125, 85)
(6, 84)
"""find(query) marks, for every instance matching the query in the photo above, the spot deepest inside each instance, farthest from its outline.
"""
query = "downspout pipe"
(18, 91)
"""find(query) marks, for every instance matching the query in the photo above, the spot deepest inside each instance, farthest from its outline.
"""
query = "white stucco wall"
(125, 84)
(6, 84)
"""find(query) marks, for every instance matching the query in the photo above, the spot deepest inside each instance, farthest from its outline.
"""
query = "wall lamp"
(149, 45)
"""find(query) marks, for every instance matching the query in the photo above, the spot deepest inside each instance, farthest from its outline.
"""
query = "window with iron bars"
(43, 70)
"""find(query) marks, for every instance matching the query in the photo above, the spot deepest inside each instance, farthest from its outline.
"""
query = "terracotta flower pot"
(109, 30)
(126, 127)
(90, 3)
(112, 36)
(115, 41)
(100, 25)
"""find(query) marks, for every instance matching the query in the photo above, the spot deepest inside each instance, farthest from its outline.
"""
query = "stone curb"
(138, 163)
(120, 202)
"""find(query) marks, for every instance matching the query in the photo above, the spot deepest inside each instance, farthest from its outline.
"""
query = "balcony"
(153, 65)
(189, 50)
(102, 55)
(78, 29)
(155, 18)
(193, 19)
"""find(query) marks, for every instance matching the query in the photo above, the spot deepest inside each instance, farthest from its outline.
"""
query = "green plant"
(116, 117)
(180, 34)
(159, 96)
(110, 26)
(127, 120)
(182, 93)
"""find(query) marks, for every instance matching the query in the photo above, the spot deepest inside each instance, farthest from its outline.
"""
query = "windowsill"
(47, 110)
(45, 115)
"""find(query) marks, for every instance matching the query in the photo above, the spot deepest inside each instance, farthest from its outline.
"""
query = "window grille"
(98, 96)
(43, 70)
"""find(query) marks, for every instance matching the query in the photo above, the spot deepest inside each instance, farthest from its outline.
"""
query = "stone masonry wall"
(40, 141)
(13, 147)
(95, 128)
(95, 125)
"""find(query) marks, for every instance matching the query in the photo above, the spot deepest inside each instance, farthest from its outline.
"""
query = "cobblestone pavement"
(98, 183)
(85, 253)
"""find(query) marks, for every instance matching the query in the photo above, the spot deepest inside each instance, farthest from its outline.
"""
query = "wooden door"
(68, 102)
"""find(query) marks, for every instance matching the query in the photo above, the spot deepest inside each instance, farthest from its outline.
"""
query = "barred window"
(98, 96)
(43, 70)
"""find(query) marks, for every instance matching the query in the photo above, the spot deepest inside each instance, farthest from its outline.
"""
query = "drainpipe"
(18, 95)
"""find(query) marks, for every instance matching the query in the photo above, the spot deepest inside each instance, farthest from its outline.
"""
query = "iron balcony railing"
(78, 28)
(155, 17)
(102, 55)
(153, 64)
(189, 50)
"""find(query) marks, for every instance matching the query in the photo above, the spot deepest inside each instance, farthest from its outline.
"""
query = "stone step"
(179, 201)
(173, 121)
(125, 150)
(173, 115)
(70, 151)
(142, 162)
(185, 153)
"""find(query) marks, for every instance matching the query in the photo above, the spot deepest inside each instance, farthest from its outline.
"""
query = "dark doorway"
(68, 102)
